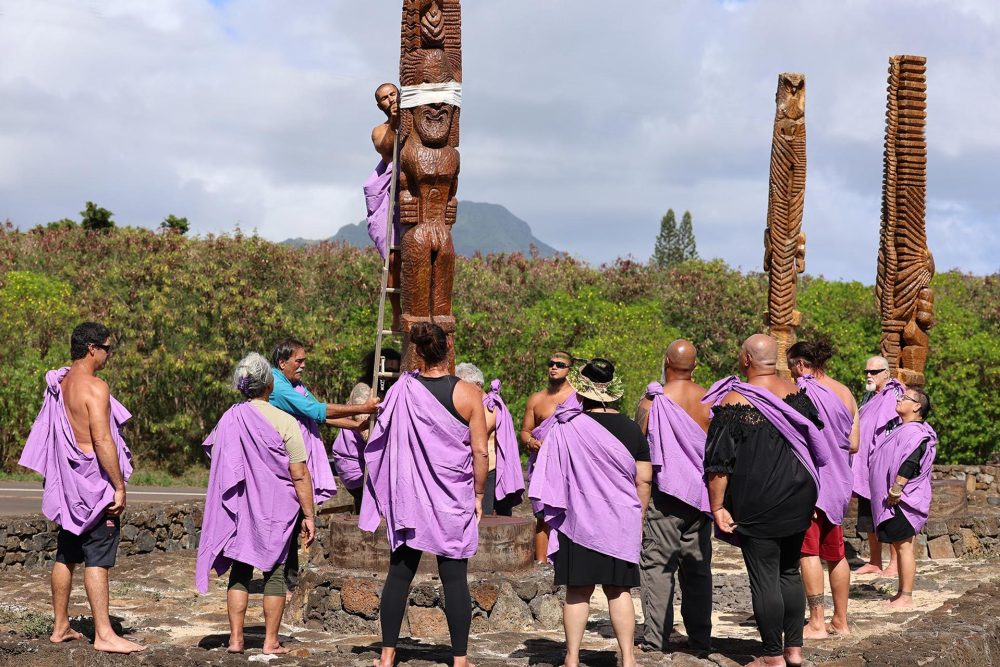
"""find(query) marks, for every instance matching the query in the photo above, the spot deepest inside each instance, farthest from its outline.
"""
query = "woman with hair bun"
(426, 460)
(257, 485)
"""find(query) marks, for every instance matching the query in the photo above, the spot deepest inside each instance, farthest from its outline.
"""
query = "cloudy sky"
(586, 118)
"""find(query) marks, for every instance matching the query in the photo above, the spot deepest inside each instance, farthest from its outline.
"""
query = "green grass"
(30, 624)
(196, 475)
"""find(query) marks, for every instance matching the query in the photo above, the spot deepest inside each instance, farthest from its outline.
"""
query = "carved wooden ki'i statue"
(430, 73)
(905, 265)
(784, 242)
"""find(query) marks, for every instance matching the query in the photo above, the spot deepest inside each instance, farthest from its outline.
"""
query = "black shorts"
(98, 547)
(865, 522)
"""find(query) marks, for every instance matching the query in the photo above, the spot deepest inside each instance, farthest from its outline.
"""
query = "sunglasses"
(107, 347)
(556, 364)
(875, 371)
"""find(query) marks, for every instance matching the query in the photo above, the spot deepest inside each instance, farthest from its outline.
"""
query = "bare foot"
(64, 635)
(276, 649)
(117, 645)
(793, 656)
(235, 647)
(838, 630)
(868, 568)
(890, 571)
(768, 661)
(812, 632)
(899, 601)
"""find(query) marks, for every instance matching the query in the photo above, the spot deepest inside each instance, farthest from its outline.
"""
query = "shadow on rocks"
(253, 638)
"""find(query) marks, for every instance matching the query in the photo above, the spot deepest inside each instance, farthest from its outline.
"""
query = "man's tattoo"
(815, 600)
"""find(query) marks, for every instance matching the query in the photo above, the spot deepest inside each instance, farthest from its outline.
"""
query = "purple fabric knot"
(495, 385)
(567, 411)
(654, 389)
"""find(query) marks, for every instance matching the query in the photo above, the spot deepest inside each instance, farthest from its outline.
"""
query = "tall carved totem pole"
(784, 242)
(430, 74)
(905, 265)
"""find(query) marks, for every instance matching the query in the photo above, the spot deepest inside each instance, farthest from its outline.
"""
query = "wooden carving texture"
(905, 265)
(430, 52)
(784, 242)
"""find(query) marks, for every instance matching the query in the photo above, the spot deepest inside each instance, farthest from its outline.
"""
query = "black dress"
(770, 493)
(576, 565)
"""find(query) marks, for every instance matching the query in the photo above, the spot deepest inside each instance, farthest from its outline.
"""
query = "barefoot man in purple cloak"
(678, 525)
(825, 537)
(76, 446)
(538, 419)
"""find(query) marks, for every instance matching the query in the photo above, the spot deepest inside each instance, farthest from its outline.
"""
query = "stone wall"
(973, 535)
(31, 541)
(348, 603)
(984, 478)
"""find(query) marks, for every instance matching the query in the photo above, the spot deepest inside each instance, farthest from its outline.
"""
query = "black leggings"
(776, 588)
(457, 601)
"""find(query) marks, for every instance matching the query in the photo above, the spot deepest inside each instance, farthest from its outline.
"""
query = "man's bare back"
(88, 408)
(778, 386)
(687, 394)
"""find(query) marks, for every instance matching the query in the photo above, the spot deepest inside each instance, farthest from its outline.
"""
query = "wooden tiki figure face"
(431, 76)
(784, 242)
(905, 264)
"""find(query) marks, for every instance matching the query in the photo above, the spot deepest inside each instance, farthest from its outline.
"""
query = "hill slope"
(480, 227)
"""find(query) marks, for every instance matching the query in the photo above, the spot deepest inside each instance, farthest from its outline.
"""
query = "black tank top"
(442, 389)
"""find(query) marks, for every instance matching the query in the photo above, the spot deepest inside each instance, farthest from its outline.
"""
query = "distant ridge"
(480, 227)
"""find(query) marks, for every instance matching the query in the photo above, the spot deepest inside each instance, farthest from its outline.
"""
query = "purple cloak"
(377, 189)
(835, 478)
(886, 458)
(874, 419)
(420, 478)
(76, 489)
(585, 483)
(676, 450)
(250, 503)
(510, 478)
(540, 432)
(324, 483)
(348, 457)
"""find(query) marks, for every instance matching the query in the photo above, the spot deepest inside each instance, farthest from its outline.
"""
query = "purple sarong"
(510, 478)
(250, 503)
(585, 483)
(886, 458)
(540, 432)
(802, 436)
(676, 450)
(324, 483)
(348, 457)
(377, 189)
(874, 419)
(76, 489)
(420, 478)
(835, 478)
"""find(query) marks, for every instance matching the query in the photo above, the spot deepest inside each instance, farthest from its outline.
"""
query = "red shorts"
(824, 539)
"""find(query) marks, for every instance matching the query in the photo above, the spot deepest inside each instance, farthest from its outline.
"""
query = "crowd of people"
(769, 463)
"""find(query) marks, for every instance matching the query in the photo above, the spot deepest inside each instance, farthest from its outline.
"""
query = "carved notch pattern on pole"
(905, 264)
(784, 242)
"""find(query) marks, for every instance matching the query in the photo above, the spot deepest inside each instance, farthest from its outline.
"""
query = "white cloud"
(587, 119)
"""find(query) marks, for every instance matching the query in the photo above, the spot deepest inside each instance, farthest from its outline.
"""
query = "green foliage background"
(187, 309)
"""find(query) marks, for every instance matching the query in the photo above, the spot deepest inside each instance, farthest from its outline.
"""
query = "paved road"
(18, 498)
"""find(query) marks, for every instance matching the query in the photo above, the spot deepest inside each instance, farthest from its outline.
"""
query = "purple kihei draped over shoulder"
(874, 419)
(420, 478)
(835, 478)
(887, 456)
(377, 189)
(510, 479)
(676, 450)
(585, 484)
(77, 490)
(348, 456)
(250, 503)
(324, 483)
(540, 432)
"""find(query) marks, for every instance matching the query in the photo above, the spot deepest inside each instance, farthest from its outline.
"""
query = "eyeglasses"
(904, 397)
(556, 364)
(874, 371)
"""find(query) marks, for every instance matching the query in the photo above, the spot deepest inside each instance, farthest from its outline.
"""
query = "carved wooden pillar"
(784, 242)
(430, 73)
(905, 265)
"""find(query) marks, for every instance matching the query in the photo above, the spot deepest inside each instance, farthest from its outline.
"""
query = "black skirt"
(895, 529)
(577, 565)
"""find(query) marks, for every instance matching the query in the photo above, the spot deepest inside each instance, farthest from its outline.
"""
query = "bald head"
(681, 356)
(759, 352)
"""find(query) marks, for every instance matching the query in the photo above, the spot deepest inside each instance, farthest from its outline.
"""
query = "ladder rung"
(390, 332)
(388, 374)
(392, 290)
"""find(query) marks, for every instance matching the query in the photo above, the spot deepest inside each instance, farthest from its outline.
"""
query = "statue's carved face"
(433, 123)
(792, 96)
